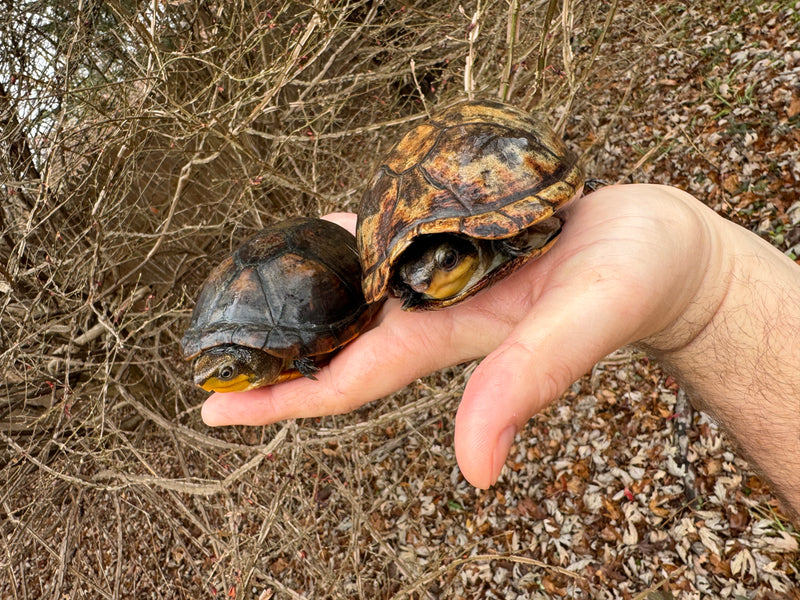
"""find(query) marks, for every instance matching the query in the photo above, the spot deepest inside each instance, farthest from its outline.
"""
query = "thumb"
(545, 353)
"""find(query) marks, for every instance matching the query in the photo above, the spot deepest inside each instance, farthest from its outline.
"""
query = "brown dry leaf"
(713, 467)
(738, 519)
(551, 586)
(279, 566)
(655, 508)
(612, 509)
(794, 107)
(576, 485)
(731, 183)
(377, 521)
(526, 507)
(721, 567)
(610, 534)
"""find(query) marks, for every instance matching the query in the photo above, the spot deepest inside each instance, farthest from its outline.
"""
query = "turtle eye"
(227, 373)
(447, 258)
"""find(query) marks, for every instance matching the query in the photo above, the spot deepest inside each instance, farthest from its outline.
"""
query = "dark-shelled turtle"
(280, 304)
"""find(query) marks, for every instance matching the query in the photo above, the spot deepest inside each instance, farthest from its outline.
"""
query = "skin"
(643, 264)
(442, 266)
(445, 268)
(231, 368)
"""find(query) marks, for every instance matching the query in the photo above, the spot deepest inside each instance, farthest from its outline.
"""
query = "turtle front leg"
(305, 365)
(531, 239)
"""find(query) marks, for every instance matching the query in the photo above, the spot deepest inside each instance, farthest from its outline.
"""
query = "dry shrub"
(147, 143)
(141, 144)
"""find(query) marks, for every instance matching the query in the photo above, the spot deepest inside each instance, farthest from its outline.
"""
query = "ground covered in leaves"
(207, 125)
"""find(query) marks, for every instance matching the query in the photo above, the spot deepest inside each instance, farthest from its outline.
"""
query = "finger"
(552, 347)
(343, 219)
(401, 348)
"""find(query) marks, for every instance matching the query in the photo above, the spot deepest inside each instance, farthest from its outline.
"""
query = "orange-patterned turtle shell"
(462, 199)
(286, 299)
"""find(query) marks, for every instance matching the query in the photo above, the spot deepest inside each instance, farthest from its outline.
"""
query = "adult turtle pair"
(461, 200)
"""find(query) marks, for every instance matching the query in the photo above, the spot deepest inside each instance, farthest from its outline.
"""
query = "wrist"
(698, 290)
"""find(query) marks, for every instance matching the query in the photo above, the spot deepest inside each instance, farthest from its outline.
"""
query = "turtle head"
(234, 368)
(438, 267)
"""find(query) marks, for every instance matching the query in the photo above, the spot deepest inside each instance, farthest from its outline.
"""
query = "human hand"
(632, 263)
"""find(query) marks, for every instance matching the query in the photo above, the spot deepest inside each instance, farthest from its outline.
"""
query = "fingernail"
(501, 448)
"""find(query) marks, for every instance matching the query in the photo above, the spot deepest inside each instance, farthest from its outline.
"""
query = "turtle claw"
(535, 237)
(512, 250)
(411, 300)
(306, 367)
(593, 184)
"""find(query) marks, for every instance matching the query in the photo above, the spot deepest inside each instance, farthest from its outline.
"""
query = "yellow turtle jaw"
(445, 284)
(240, 383)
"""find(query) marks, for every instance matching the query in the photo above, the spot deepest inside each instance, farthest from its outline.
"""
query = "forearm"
(742, 365)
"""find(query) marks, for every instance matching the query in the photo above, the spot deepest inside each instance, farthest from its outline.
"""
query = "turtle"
(464, 198)
(277, 307)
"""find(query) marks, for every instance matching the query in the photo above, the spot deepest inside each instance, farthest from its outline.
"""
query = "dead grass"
(141, 144)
